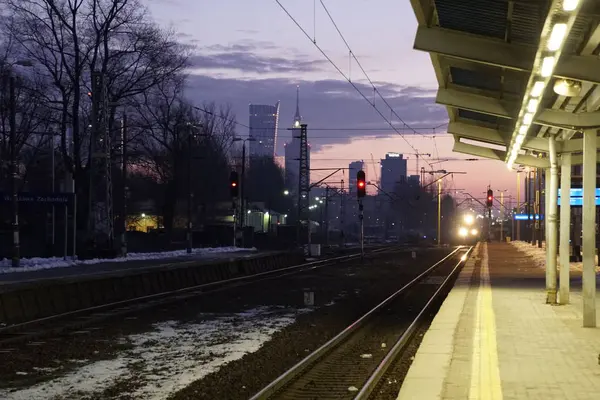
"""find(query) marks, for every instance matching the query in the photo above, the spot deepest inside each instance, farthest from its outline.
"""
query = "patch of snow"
(36, 263)
(176, 355)
(91, 378)
(539, 255)
(172, 356)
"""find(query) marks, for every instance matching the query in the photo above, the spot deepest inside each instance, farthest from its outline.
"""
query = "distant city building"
(414, 180)
(264, 121)
(292, 152)
(393, 171)
(353, 168)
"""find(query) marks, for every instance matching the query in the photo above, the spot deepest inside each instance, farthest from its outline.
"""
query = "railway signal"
(361, 184)
(234, 185)
(489, 202)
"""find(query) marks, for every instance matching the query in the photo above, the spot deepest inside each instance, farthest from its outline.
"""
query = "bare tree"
(177, 139)
(33, 118)
(69, 39)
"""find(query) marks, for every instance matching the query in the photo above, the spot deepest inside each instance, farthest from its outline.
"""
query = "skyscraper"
(292, 151)
(393, 171)
(354, 167)
(264, 121)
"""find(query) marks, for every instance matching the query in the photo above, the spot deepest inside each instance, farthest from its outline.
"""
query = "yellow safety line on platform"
(485, 372)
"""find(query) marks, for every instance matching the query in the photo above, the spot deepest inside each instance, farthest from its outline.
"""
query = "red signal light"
(490, 198)
(361, 184)
(233, 184)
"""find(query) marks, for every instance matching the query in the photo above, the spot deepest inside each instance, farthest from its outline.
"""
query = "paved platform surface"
(107, 268)
(495, 338)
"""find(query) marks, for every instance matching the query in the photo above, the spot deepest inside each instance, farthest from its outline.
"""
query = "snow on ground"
(95, 376)
(34, 264)
(170, 357)
(539, 255)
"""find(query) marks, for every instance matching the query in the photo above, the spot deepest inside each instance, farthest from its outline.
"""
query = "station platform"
(495, 337)
(12, 279)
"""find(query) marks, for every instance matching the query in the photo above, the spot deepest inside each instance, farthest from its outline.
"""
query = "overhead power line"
(346, 77)
(375, 90)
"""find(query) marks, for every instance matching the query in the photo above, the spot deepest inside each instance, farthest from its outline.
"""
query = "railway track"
(352, 364)
(79, 319)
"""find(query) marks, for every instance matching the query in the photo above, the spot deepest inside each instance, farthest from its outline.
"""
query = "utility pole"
(326, 224)
(243, 188)
(190, 193)
(16, 253)
(439, 219)
(125, 188)
(501, 216)
(53, 188)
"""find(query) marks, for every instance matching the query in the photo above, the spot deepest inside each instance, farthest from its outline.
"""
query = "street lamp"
(16, 253)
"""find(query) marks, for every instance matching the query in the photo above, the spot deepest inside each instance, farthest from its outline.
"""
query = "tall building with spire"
(292, 151)
(264, 123)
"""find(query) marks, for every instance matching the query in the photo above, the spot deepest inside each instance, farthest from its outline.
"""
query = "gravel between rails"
(342, 293)
(346, 368)
(372, 284)
(390, 383)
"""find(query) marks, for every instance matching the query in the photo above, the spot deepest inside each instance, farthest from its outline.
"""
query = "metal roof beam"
(477, 102)
(483, 50)
(509, 109)
(488, 135)
(499, 155)
(476, 132)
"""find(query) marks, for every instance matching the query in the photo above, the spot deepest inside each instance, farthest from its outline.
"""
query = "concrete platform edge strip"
(427, 374)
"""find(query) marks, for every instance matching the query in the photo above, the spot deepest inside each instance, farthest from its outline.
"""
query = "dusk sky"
(252, 52)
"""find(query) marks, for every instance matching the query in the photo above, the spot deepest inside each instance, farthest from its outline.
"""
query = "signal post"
(489, 202)
(361, 191)
(234, 186)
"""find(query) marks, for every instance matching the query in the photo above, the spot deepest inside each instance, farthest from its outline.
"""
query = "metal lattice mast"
(342, 212)
(303, 184)
(101, 198)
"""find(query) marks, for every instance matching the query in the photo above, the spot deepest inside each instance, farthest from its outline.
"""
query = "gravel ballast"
(341, 293)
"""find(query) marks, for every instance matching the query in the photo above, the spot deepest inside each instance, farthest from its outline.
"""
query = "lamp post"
(502, 212)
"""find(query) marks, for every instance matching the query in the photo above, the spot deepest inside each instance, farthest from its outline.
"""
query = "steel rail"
(272, 388)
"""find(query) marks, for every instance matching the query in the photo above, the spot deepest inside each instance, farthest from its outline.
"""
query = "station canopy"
(489, 58)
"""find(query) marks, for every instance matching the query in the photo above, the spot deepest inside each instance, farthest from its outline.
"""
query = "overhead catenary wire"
(346, 77)
(233, 120)
(353, 55)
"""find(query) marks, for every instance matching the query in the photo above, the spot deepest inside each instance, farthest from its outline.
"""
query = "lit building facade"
(393, 171)
(264, 123)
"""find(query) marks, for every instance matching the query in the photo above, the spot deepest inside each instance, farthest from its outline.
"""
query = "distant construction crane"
(417, 155)
(374, 169)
